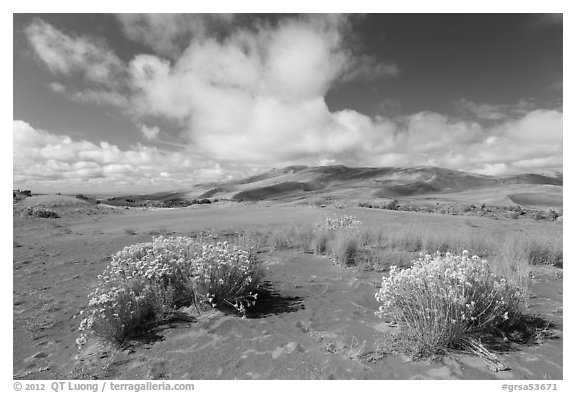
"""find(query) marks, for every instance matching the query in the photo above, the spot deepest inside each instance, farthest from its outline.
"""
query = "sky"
(151, 102)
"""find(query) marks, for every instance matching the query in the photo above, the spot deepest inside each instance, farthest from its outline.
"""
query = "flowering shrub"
(225, 274)
(341, 222)
(145, 282)
(448, 300)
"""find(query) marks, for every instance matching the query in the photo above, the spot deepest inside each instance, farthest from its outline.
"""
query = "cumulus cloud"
(255, 98)
(259, 94)
(534, 138)
(48, 160)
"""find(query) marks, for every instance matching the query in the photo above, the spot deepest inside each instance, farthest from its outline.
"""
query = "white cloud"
(256, 98)
(258, 95)
(537, 128)
(49, 161)
(68, 55)
(534, 138)
(492, 169)
(149, 133)
(57, 87)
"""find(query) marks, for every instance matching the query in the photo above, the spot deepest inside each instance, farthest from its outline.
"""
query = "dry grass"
(321, 241)
(300, 237)
(422, 239)
(544, 249)
(345, 248)
(374, 245)
(280, 240)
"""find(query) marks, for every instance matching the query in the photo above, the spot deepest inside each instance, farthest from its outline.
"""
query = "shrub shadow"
(271, 302)
(150, 332)
(529, 330)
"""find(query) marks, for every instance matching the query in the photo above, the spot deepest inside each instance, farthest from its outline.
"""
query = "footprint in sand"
(443, 372)
(36, 356)
(286, 349)
(300, 325)
(158, 370)
(43, 344)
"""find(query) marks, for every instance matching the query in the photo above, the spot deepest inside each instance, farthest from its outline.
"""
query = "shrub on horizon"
(341, 222)
(40, 212)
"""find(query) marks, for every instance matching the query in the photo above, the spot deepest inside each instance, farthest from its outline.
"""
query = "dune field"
(314, 317)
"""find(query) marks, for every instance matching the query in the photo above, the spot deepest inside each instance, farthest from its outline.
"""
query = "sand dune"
(295, 183)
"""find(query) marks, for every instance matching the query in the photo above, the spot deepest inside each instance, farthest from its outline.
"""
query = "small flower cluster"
(147, 281)
(341, 222)
(442, 299)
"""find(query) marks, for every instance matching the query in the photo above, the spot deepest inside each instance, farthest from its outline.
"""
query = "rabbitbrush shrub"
(448, 301)
(146, 282)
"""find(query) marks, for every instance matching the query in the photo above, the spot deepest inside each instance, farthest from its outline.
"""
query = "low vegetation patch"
(544, 251)
(339, 236)
(145, 283)
(40, 212)
(480, 210)
(449, 301)
(341, 222)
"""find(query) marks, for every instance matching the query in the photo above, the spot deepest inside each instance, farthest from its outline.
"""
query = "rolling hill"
(360, 183)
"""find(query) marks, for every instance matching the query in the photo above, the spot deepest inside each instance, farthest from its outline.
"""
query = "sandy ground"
(530, 195)
(316, 320)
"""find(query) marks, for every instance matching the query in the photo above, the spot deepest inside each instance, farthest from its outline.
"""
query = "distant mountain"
(298, 182)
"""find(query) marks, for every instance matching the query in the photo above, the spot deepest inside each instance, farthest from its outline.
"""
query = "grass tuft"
(345, 248)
